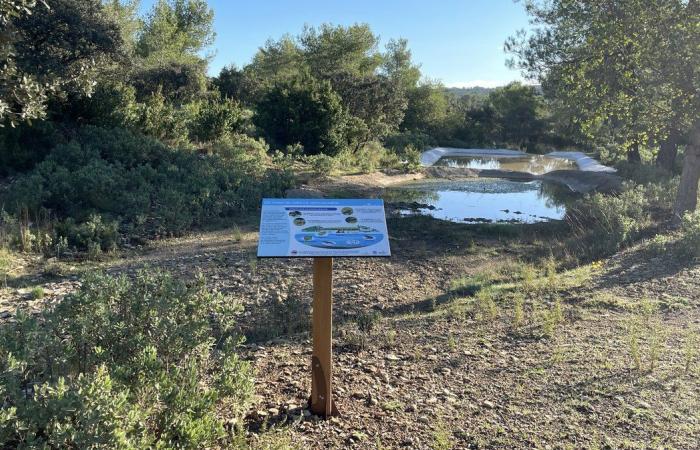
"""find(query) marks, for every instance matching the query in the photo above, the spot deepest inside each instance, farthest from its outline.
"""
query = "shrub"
(24, 146)
(37, 293)
(96, 234)
(370, 157)
(5, 265)
(248, 152)
(303, 110)
(411, 158)
(611, 221)
(112, 104)
(321, 165)
(109, 182)
(401, 141)
(163, 120)
(147, 363)
(217, 119)
(690, 235)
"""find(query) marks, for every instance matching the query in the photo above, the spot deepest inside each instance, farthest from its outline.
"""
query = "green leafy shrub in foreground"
(148, 363)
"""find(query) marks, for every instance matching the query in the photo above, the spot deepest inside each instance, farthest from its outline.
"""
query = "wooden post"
(322, 403)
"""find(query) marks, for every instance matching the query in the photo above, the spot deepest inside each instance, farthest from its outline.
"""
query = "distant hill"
(476, 91)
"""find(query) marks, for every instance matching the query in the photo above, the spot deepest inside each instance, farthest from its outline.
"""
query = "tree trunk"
(687, 198)
(633, 155)
(668, 151)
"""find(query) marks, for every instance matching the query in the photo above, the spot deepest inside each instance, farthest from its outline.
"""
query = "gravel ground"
(431, 373)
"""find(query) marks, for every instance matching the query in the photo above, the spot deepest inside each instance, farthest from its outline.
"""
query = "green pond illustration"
(339, 237)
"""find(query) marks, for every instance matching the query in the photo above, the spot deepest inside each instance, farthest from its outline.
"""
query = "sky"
(458, 42)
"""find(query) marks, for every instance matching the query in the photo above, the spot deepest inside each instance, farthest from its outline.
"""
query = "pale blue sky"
(459, 42)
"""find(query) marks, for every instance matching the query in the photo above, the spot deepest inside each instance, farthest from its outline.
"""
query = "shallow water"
(480, 200)
(535, 164)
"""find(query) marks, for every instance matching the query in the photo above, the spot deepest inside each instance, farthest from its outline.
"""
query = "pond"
(534, 164)
(479, 200)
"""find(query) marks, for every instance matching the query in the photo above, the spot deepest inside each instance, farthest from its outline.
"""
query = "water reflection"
(479, 200)
(534, 164)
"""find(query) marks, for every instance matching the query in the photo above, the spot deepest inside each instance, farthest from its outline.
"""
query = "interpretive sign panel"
(307, 228)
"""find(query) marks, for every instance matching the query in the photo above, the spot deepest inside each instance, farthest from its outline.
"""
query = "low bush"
(106, 183)
(401, 141)
(321, 165)
(217, 119)
(689, 242)
(605, 223)
(5, 265)
(143, 363)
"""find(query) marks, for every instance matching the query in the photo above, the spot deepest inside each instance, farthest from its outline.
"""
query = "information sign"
(309, 228)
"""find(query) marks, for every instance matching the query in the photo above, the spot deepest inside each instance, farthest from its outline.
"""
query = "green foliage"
(517, 112)
(25, 145)
(218, 119)
(94, 235)
(176, 30)
(49, 51)
(605, 223)
(146, 363)
(303, 111)
(328, 49)
(109, 180)
(646, 336)
(427, 109)
(398, 65)
(178, 82)
(690, 235)
(411, 158)
(620, 71)
(112, 104)
(5, 265)
(399, 142)
(37, 293)
(371, 156)
(248, 152)
(371, 86)
(551, 318)
(442, 437)
(322, 165)
(162, 120)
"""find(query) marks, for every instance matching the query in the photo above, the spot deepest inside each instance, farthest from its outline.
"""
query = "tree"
(374, 101)
(517, 112)
(589, 54)
(176, 31)
(231, 82)
(125, 14)
(398, 65)
(179, 82)
(333, 49)
(631, 64)
(371, 85)
(217, 119)
(50, 50)
(303, 111)
(427, 108)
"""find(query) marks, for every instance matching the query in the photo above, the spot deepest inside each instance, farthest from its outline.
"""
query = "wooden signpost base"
(321, 402)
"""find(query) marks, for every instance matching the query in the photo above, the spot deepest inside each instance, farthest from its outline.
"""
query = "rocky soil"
(430, 372)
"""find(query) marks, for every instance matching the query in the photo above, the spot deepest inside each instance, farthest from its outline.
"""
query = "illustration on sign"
(323, 227)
